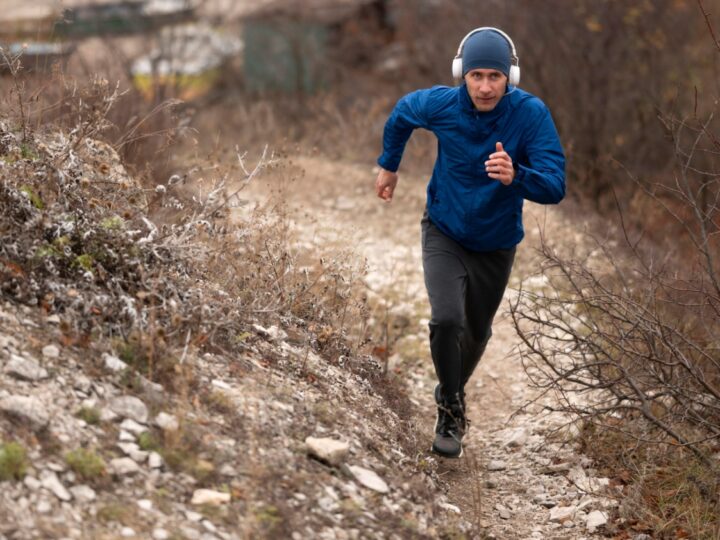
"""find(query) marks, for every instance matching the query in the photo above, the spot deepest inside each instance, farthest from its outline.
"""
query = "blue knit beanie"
(486, 50)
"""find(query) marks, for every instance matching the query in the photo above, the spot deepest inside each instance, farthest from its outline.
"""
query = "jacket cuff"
(388, 164)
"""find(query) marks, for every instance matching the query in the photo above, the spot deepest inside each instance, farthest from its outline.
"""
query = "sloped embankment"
(185, 379)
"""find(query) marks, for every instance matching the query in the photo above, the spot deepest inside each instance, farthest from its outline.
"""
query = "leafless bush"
(627, 338)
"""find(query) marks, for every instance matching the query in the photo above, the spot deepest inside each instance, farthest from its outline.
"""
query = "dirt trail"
(334, 203)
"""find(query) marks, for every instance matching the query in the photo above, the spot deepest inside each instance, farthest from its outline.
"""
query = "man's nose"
(485, 86)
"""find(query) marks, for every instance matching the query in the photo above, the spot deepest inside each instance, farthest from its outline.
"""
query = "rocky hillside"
(212, 359)
(149, 390)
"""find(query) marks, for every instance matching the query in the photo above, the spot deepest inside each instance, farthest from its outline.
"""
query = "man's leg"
(446, 281)
(488, 274)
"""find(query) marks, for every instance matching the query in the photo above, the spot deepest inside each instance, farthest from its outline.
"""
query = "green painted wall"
(284, 55)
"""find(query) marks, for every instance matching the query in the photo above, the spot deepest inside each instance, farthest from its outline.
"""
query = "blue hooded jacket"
(480, 212)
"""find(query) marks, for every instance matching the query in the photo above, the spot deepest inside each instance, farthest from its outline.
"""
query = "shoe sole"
(449, 456)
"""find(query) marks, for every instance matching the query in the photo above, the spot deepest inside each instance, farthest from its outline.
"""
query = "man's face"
(486, 87)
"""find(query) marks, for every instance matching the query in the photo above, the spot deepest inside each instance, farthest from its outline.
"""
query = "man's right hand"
(385, 184)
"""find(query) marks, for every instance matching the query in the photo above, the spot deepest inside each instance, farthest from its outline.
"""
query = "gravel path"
(517, 479)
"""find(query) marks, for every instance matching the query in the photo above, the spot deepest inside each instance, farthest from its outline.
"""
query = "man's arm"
(409, 114)
(542, 179)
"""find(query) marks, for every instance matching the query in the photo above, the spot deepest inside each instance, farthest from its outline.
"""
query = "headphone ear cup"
(457, 67)
(514, 76)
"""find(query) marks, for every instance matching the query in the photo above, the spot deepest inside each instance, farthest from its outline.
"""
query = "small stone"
(155, 460)
(53, 319)
(369, 479)
(516, 438)
(83, 493)
(51, 351)
(32, 483)
(274, 333)
(449, 507)
(123, 466)
(490, 483)
(126, 437)
(132, 426)
(569, 524)
(43, 506)
(208, 496)
(559, 514)
(130, 407)
(209, 526)
(193, 516)
(167, 422)
(556, 468)
(51, 482)
(496, 465)
(82, 384)
(127, 532)
(595, 519)
(329, 450)
(145, 504)
(503, 512)
(160, 534)
(226, 469)
(26, 369)
(113, 363)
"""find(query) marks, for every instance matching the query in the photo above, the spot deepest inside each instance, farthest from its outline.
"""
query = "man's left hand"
(500, 166)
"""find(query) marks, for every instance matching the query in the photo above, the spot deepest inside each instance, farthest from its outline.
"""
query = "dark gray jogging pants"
(465, 289)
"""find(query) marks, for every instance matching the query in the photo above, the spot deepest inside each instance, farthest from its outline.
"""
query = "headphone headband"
(492, 28)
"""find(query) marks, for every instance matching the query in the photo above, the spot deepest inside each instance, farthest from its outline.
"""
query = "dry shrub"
(159, 269)
(625, 338)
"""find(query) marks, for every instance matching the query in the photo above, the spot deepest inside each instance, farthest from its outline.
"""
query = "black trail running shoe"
(450, 426)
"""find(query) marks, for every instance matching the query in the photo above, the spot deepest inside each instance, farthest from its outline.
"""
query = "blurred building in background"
(289, 45)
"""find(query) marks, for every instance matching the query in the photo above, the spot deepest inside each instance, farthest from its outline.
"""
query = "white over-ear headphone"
(513, 76)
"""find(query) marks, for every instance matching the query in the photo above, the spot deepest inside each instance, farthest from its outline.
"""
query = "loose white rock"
(369, 479)
(26, 369)
(83, 493)
(155, 460)
(503, 511)
(595, 519)
(496, 465)
(32, 483)
(167, 422)
(516, 438)
(132, 426)
(145, 504)
(559, 514)
(123, 466)
(127, 532)
(83, 384)
(27, 409)
(160, 534)
(130, 407)
(113, 363)
(43, 506)
(51, 351)
(330, 450)
(449, 507)
(208, 496)
(126, 437)
(52, 483)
